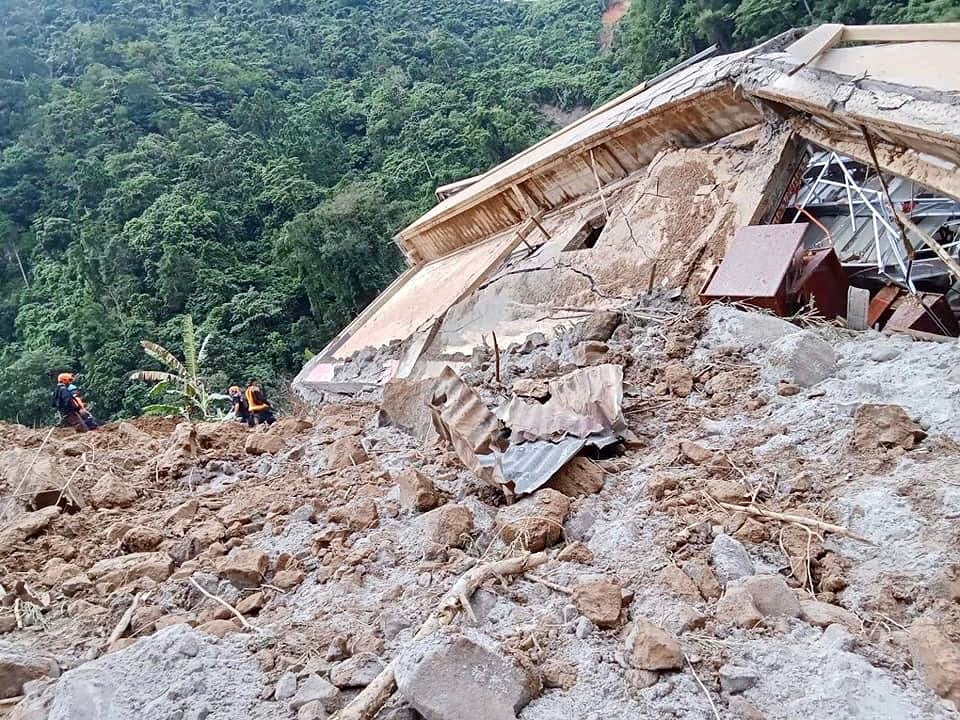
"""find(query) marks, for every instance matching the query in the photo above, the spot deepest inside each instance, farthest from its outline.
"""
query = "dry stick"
(228, 606)
(702, 687)
(548, 584)
(496, 357)
(756, 510)
(373, 697)
(125, 619)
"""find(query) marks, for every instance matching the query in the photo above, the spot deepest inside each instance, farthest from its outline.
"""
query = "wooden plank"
(881, 303)
(923, 336)
(821, 38)
(920, 32)
(937, 248)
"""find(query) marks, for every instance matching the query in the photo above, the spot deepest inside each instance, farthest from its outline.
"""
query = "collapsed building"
(842, 141)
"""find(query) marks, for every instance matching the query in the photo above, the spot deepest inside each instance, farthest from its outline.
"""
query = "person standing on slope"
(259, 408)
(67, 401)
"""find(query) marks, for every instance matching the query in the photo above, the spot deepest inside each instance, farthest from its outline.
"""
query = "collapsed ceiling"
(854, 131)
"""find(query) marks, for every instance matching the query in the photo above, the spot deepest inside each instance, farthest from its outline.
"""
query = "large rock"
(261, 442)
(315, 689)
(244, 567)
(453, 676)
(730, 559)
(448, 526)
(679, 379)
(535, 522)
(748, 600)
(416, 490)
(26, 526)
(18, 665)
(600, 601)
(590, 353)
(125, 569)
(346, 452)
(406, 405)
(653, 648)
(937, 659)
(182, 450)
(112, 492)
(578, 477)
(803, 358)
(38, 480)
(360, 514)
(357, 671)
(884, 426)
(141, 538)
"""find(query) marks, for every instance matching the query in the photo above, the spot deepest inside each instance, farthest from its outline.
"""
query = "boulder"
(653, 648)
(346, 452)
(536, 521)
(803, 358)
(452, 676)
(182, 449)
(244, 567)
(142, 539)
(937, 659)
(730, 559)
(448, 526)
(112, 492)
(27, 525)
(884, 426)
(578, 477)
(19, 665)
(125, 569)
(600, 601)
(600, 325)
(416, 490)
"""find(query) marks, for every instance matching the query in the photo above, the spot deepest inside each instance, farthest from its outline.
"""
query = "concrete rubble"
(565, 488)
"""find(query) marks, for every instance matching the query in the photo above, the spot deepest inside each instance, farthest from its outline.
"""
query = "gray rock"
(393, 625)
(804, 358)
(450, 676)
(772, 596)
(585, 628)
(314, 688)
(600, 325)
(730, 559)
(286, 686)
(837, 637)
(884, 354)
(304, 513)
(736, 678)
(19, 665)
(357, 671)
(313, 710)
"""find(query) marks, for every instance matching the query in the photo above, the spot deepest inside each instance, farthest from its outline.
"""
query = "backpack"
(62, 400)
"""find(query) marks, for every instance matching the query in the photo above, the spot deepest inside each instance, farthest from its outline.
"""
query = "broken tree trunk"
(456, 600)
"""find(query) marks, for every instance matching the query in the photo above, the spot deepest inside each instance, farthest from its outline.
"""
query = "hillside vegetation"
(247, 161)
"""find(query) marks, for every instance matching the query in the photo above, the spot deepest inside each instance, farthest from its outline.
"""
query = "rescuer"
(67, 401)
(257, 404)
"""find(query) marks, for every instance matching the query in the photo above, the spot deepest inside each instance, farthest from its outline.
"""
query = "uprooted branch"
(456, 600)
(758, 511)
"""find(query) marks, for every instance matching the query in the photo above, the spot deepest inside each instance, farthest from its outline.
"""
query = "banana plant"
(180, 389)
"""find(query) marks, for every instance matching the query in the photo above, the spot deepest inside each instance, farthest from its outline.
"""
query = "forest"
(246, 162)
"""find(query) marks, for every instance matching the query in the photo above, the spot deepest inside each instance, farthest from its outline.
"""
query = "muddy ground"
(777, 538)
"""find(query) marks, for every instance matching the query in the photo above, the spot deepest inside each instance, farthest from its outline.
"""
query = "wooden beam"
(821, 38)
(937, 248)
(920, 32)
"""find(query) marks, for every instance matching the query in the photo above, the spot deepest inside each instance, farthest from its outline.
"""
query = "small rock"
(304, 513)
(126, 568)
(314, 688)
(417, 491)
(585, 628)
(244, 567)
(312, 710)
(219, 628)
(679, 379)
(742, 709)
(26, 526)
(558, 674)
(787, 389)
(600, 325)
(730, 559)
(77, 584)
(576, 552)
(837, 637)
(578, 477)
(736, 608)
(728, 491)
(263, 443)
(772, 596)
(736, 678)
(251, 604)
(884, 426)
(662, 483)
(599, 600)
(697, 454)
(531, 387)
(590, 353)
(653, 648)
(702, 574)
(448, 526)
(884, 354)
(288, 579)
(111, 492)
(823, 614)
(357, 671)
(142, 539)
(937, 659)
(360, 514)
(678, 582)
(286, 686)
(535, 522)
(641, 679)
(803, 357)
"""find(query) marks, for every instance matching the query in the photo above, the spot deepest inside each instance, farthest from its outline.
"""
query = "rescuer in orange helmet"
(241, 409)
(67, 401)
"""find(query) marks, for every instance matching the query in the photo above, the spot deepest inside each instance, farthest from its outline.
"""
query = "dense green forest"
(247, 161)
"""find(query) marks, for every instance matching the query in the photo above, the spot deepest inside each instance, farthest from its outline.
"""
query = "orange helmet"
(65, 378)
